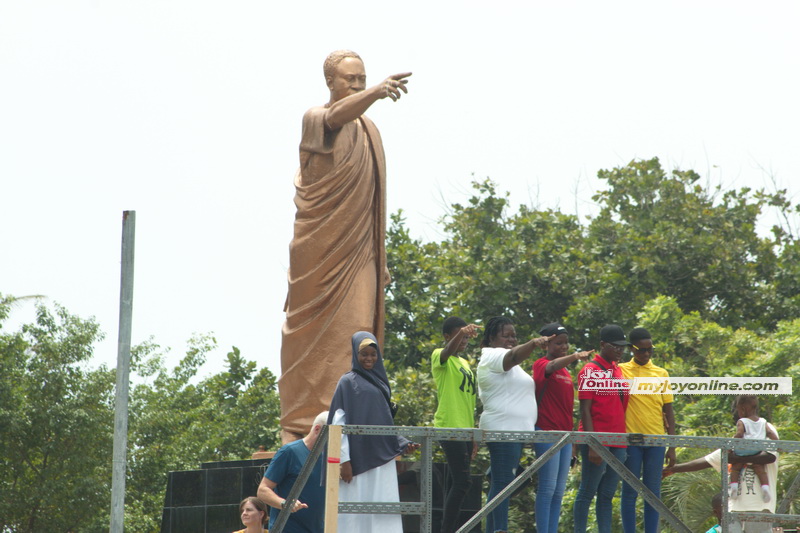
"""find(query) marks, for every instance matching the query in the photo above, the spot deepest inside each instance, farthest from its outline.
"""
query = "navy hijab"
(362, 395)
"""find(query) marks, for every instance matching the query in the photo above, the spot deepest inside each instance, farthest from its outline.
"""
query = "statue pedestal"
(207, 500)
(407, 477)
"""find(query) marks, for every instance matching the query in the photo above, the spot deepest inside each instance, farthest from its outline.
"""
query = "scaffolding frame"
(597, 441)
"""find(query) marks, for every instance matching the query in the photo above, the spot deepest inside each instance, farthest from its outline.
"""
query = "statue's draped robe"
(337, 261)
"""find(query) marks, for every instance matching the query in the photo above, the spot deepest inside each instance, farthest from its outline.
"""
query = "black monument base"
(207, 500)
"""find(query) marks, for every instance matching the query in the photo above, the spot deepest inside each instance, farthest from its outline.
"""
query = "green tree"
(56, 419)
(660, 233)
(56, 423)
(528, 265)
(657, 233)
(413, 302)
(178, 421)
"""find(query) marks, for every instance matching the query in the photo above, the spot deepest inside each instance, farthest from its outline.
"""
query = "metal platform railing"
(427, 435)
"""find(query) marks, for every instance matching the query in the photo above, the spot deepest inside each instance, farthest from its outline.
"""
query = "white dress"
(376, 485)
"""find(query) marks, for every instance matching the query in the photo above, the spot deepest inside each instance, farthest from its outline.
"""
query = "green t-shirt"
(455, 385)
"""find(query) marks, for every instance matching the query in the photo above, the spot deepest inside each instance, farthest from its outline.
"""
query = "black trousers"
(459, 457)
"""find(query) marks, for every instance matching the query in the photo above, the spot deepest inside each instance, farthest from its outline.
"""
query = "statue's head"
(344, 74)
(334, 58)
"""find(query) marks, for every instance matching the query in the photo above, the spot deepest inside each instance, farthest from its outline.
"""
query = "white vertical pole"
(123, 372)
(332, 479)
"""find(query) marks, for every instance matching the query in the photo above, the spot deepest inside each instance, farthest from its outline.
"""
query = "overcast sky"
(189, 113)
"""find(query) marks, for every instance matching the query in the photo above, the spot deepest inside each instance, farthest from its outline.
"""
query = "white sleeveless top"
(754, 429)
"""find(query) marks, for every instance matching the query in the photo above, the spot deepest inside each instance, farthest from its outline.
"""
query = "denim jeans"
(504, 458)
(596, 479)
(646, 463)
(552, 480)
(459, 457)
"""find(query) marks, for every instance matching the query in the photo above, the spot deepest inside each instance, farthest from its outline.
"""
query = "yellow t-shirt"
(644, 414)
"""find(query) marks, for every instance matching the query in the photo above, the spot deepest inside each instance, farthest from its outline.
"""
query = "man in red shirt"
(603, 400)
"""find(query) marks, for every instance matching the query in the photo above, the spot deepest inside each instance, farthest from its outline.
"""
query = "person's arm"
(519, 353)
(761, 458)
(701, 463)
(562, 362)
(346, 472)
(771, 433)
(451, 348)
(669, 415)
(351, 107)
(586, 414)
(691, 466)
(266, 493)
(411, 447)
(739, 430)
(588, 425)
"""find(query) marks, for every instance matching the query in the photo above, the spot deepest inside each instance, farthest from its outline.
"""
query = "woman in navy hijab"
(368, 472)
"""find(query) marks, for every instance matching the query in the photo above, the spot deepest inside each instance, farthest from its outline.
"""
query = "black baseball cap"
(638, 334)
(553, 328)
(613, 334)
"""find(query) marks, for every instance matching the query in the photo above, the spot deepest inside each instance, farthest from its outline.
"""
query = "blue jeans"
(596, 479)
(646, 463)
(504, 458)
(552, 480)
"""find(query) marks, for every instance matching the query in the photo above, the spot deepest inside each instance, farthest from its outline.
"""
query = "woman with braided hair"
(508, 394)
(555, 398)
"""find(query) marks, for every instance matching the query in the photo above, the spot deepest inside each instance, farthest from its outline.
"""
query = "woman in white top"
(508, 395)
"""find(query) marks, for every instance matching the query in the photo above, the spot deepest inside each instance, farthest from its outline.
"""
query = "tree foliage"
(56, 419)
(655, 234)
(666, 234)
(56, 423)
(178, 422)
(527, 265)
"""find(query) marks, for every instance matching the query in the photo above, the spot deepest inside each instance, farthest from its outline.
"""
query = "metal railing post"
(425, 491)
(636, 483)
(725, 523)
(789, 496)
(511, 487)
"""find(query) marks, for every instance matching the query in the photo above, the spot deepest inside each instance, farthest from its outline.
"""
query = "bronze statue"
(337, 259)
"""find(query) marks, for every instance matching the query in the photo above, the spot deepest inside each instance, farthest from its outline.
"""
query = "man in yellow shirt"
(649, 414)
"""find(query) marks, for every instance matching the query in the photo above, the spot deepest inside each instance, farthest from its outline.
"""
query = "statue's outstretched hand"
(393, 85)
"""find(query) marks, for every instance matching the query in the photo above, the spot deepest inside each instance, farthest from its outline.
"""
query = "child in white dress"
(750, 426)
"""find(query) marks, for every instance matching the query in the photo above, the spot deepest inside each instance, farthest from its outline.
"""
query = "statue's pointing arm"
(353, 106)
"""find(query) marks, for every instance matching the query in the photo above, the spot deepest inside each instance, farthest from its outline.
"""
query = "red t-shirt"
(555, 397)
(608, 406)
